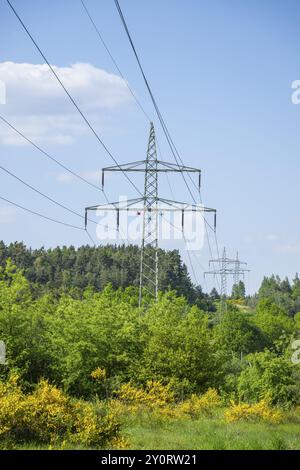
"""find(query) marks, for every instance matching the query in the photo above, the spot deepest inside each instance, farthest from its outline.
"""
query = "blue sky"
(221, 71)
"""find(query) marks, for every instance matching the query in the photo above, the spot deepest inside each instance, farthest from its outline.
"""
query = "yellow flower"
(99, 374)
(261, 411)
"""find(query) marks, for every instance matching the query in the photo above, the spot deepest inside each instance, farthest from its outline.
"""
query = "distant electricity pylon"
(150, 206)
(228, 267)
(238, 270)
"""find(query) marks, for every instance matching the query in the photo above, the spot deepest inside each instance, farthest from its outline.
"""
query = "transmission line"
(169, 139)
(41, 215)
(50, 198)
(205, 223)
(163, 124)
(48, 155)
(114, 61)
(90, 237)
(70, 96)
(40, 193)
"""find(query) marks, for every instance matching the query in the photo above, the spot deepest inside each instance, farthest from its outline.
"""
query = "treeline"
(70, 269)
(282, 292)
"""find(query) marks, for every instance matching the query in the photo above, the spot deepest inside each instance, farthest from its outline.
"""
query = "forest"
(92, 364)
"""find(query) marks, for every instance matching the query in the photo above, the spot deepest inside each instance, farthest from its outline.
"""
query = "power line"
(50, 198)
(114, 61)
(165, 129)
(70, 96)
(40, 215)
(188, 251)
(152, 205)
(163, 124)
(49, 156)
(169, 139)
(58, 163)
(40, 193)
(90, 237)
(137, 101)
(205, 225)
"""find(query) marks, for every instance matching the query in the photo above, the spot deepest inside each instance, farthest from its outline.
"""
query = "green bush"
(272, 376)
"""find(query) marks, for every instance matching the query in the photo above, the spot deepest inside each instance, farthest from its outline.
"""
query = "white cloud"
(57, 129)
(289, 248)
(38, 105)
(8, 215)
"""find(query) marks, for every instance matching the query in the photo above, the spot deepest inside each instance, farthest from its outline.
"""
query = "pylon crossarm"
(159, 167)
(226, 271)
(144, 209)
(226, 260)
(124, 166)
(186, 207)
(116, 205)
(172, 167)
(107, 207)
(150, 206)
(165, 167)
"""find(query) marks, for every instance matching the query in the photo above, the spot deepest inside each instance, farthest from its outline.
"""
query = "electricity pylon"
(228, 267)
(238, 272)
(151, 206)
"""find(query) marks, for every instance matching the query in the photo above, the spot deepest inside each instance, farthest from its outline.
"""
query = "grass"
(148, 433)
(211, 434)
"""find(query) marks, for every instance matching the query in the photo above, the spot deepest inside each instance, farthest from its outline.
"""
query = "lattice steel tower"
(149, 257)
(239, 270)
(151, 206)
(227, 267)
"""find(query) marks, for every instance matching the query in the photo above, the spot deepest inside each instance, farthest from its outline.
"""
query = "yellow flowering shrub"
(200, 405)
(95, 425)
(99, 374)
(49, 415)
(12, 407)
(261, 411)
(160, 400)
(49, 412)
(154, 395)
(120, 443)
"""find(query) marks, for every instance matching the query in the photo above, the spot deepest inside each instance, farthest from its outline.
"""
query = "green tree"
(178, 345)
(238, 290)
(273, 321)
(269, 375)
(237, 334)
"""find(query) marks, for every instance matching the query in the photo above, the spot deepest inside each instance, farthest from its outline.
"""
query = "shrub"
(154, 395)
(48, 415)
(95, 424)
(205, 404)
(269, 375)
(261, 411)
(12, 408)
(99, 374)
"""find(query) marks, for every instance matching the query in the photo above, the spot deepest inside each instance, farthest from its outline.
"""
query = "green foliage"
(71, 270)
(273, 321)
(71, 337)
(237, 333)
(178, 345)
(238, 291)
(281, 293)
(47, 415)
(65, 338)
(269, 376)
